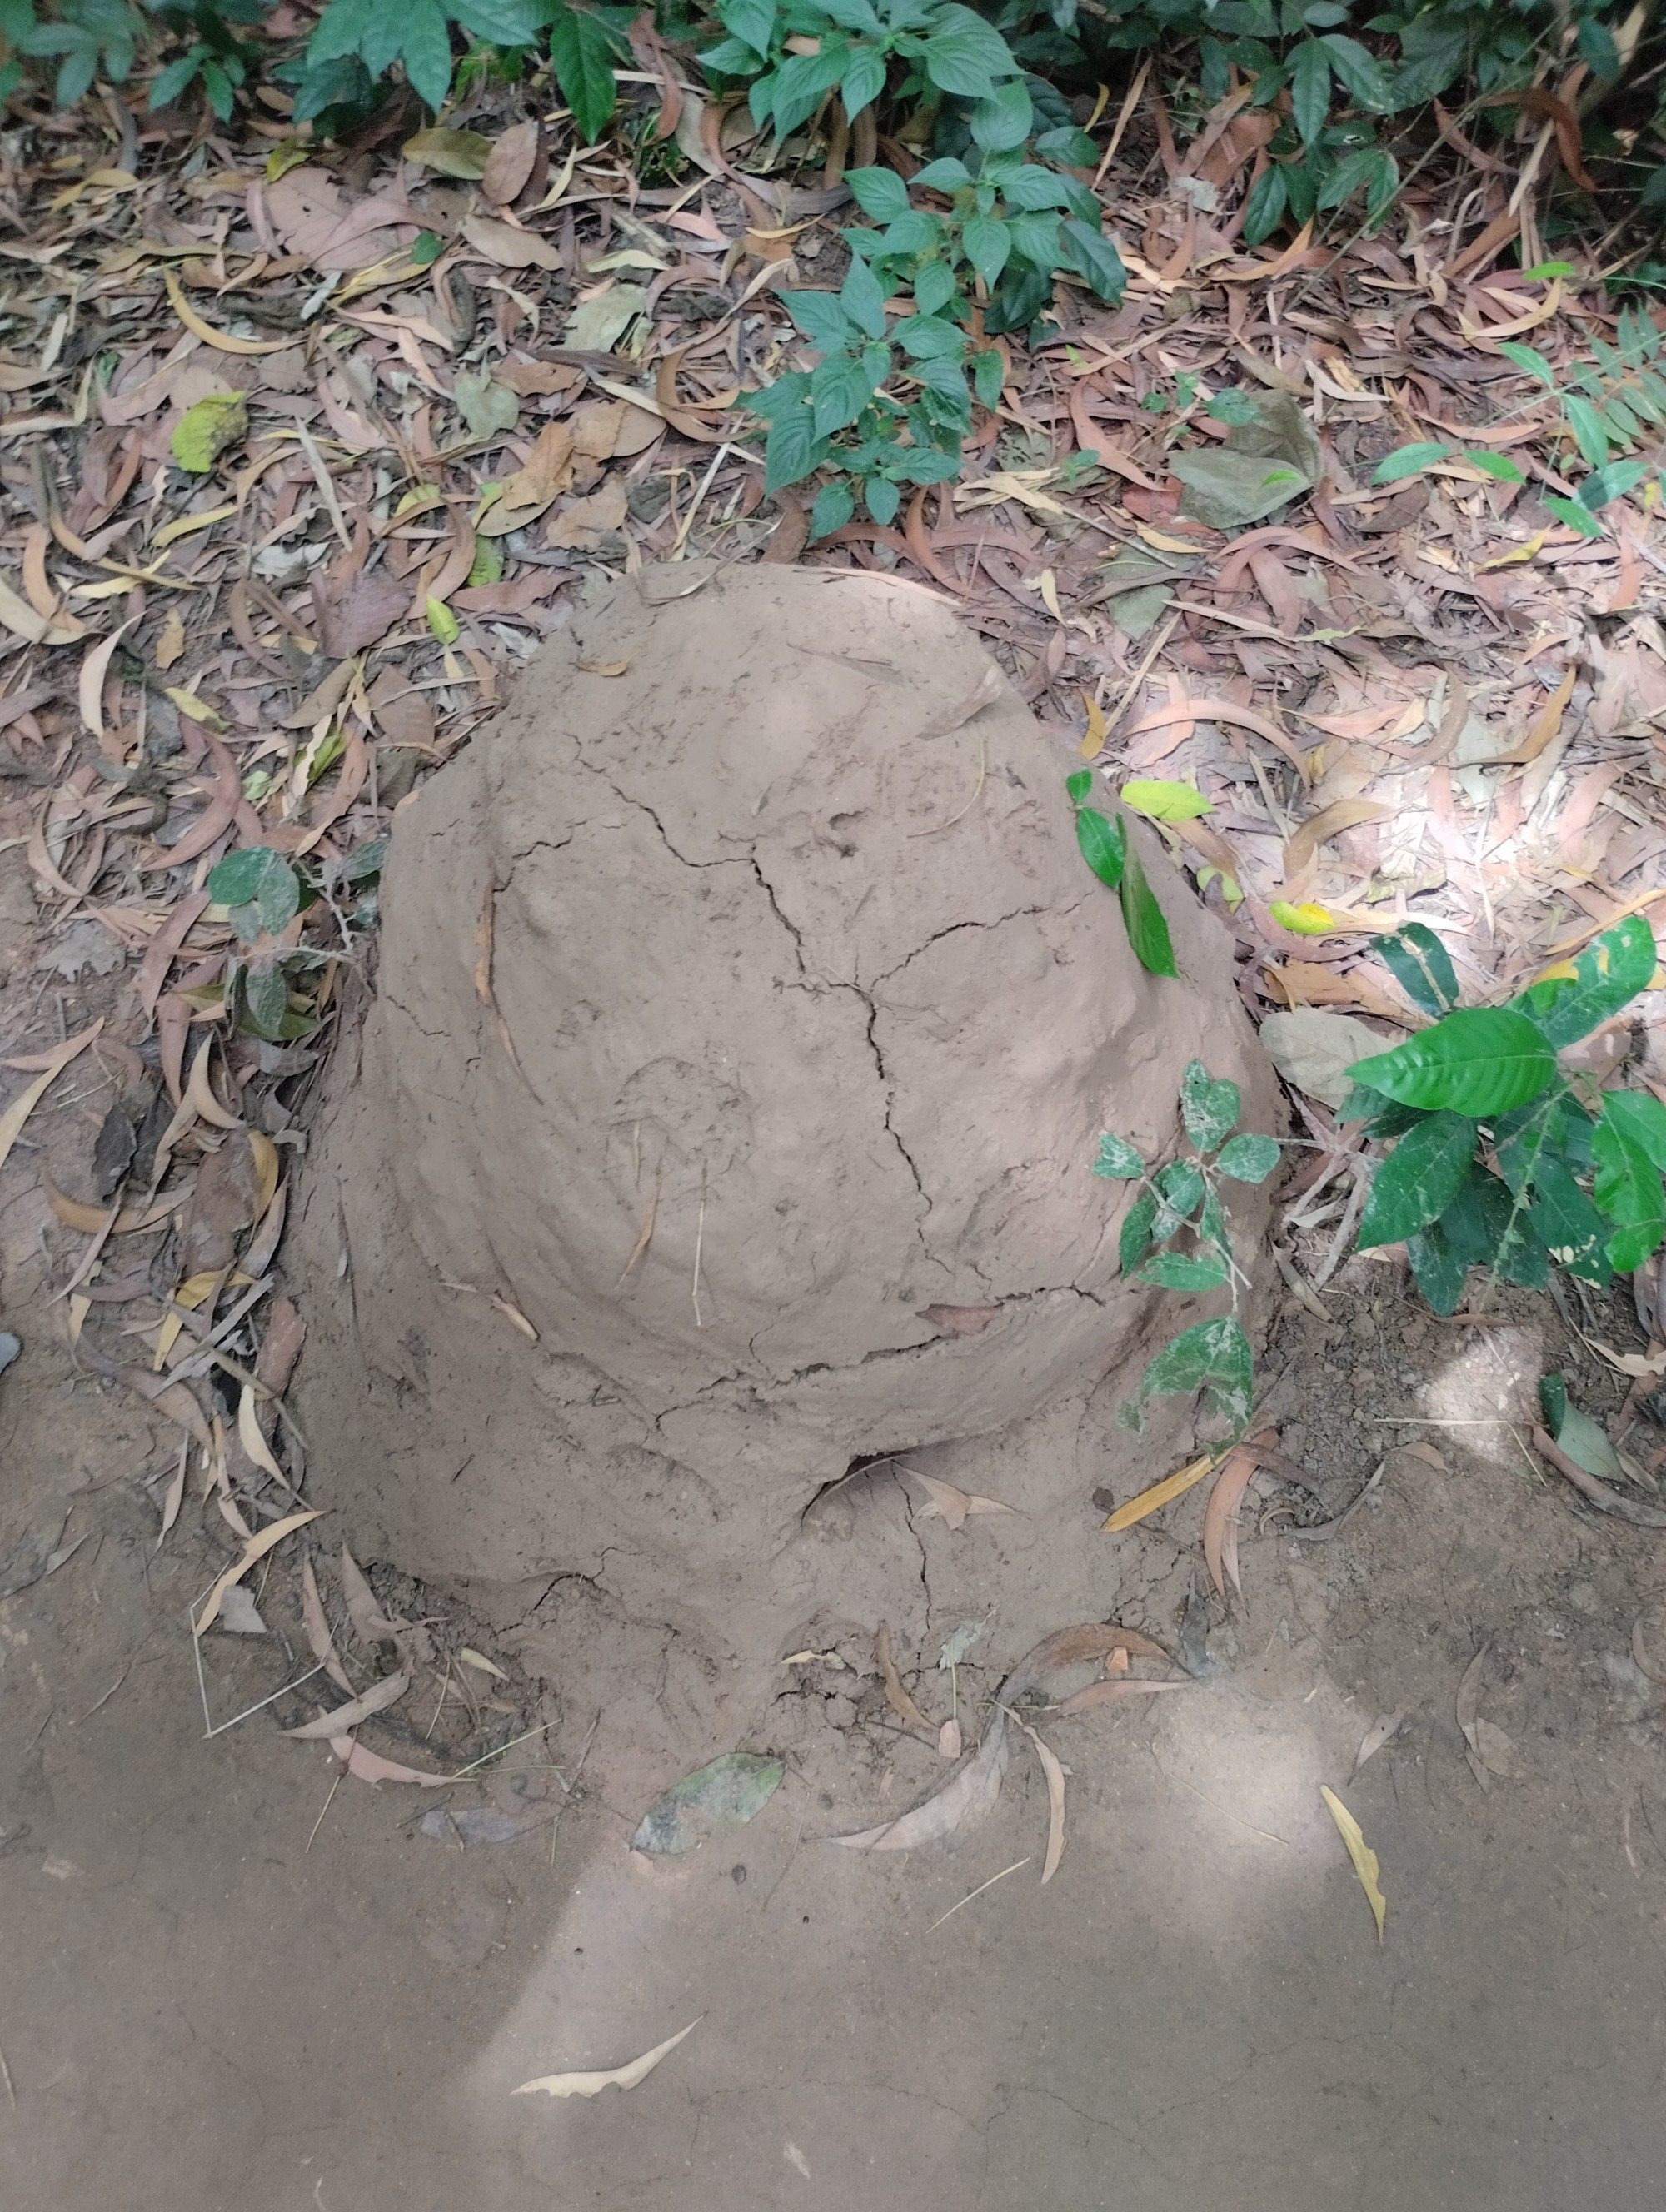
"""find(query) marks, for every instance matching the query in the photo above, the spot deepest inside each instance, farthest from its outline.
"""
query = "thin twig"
(323, 1809)
(265, 1702)
(979, 1891)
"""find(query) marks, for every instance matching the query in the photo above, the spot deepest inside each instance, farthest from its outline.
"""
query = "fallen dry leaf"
(370, 1623)
(321, 1641)
(1365, 1859)
(1378, 1734)
(376, 1699)
(617, 2077)
(256, 1548)
(509, 164)
(1054, 1774)
(1221, 1510)
(509, 245)
(1160, 1494)
(896, 1696)
(1107, 1693)
(948, 1505)
(948, 1739)
(370, 1766)
(12, 1121)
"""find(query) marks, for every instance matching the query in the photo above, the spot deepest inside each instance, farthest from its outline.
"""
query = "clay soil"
(232, 1979)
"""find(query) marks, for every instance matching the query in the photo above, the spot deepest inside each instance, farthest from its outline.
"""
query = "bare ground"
(232, 1979)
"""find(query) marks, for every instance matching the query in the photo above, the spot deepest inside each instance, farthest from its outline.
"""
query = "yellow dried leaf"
(204, 431)
(1365, 1859)
(1308, 920)
(471, 1657)
(170, 639)
(1159, 1493)
(196, 710)
(1093, 743)
(220, 340)
(616, 2077)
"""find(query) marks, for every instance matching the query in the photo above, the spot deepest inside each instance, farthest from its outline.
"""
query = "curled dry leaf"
(1054, 1774)
(1160, 1494)
(321, 1641)
(370, 1623)
(256, 1548)
(896, 1696)
(1365, 1859)
(1102, 1693)
(951, 1505)
(254, 1442)
(376, 1699)
(370, 1766)
(12, 1121)
(616, 2077)
(1220, 1513)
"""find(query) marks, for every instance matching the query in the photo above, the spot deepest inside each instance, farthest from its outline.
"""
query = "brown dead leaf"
(318, 1637)
(376, 1699)
(403, 716)
(1055, 1776)
(1344, 814)
(1469, 1710)
(896, 1696)
(354, 607)
(226, 1200)
(1378, 1734)
(1221, 1511)
(524, 496)
(531, 380)
(960, 1321)
(370, 1766)
(1309, 983)
(948, 1739)
(582, 522)
(1546, 726)
(950, 1504)
(508, 245)
(1102, 1693)
(509, 164)
(370, 1623)
(256, 1548)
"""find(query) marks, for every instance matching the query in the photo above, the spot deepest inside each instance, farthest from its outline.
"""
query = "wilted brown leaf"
(509, 164)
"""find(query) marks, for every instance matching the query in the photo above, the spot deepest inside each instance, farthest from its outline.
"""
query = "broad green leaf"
(1608, 976)
(791, 449)
(1577, 515)
(204, 431)
(1208, 1107)
(883, 499)
(988, 242)
(1147, 929)
(443, 622)
(1079, 783)
(1590, 432)
(1641, 1118)
(1094, 256)
(1361, 72)
(839, 389)
(1578, 1435)
(1134, 1241)
(1118, 1160)
(1440, 1274)
(1215, 1354)
(863, 298)
(1264, 211)
(1175, 1271)
(1004, 119)
(1526, 357)
(1407, 460)
(424, 46)
(1498, 465)
(1104, 844)
(1422, 967)
(965, 54)
(258, 887)
(1480, 1060)
(1627, 1190)
(1182, 1185)
(1419, 1180)
(987, 370)
(581, 55)
(863, 79)
(1310, 89)
(933, 288)
(1521, 1256)
(821, 317)
(1164, 802)
(1248, 1159)
(266, 997)
(725, 1795)
(880, 193)
(1473, 1225)
(834, 508)
(1567, 1224)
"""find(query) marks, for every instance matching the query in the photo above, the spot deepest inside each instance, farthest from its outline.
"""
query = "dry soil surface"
(229, 1982)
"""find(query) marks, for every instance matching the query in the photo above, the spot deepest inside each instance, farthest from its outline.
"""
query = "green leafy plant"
(264, 985)
(1174, 1236)
(1105, 846)
(1503, 1158)
(1609, 405)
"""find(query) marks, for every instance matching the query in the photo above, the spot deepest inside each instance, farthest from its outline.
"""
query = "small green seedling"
(1503, 1158)
(1104, 839)
(1174, 1236)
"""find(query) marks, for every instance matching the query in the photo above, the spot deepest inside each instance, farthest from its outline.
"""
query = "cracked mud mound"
(746, 1020)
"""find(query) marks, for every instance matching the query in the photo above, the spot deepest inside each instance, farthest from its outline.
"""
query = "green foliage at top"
(1174, 1234)
(1503, 1159)
(1105, 846)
